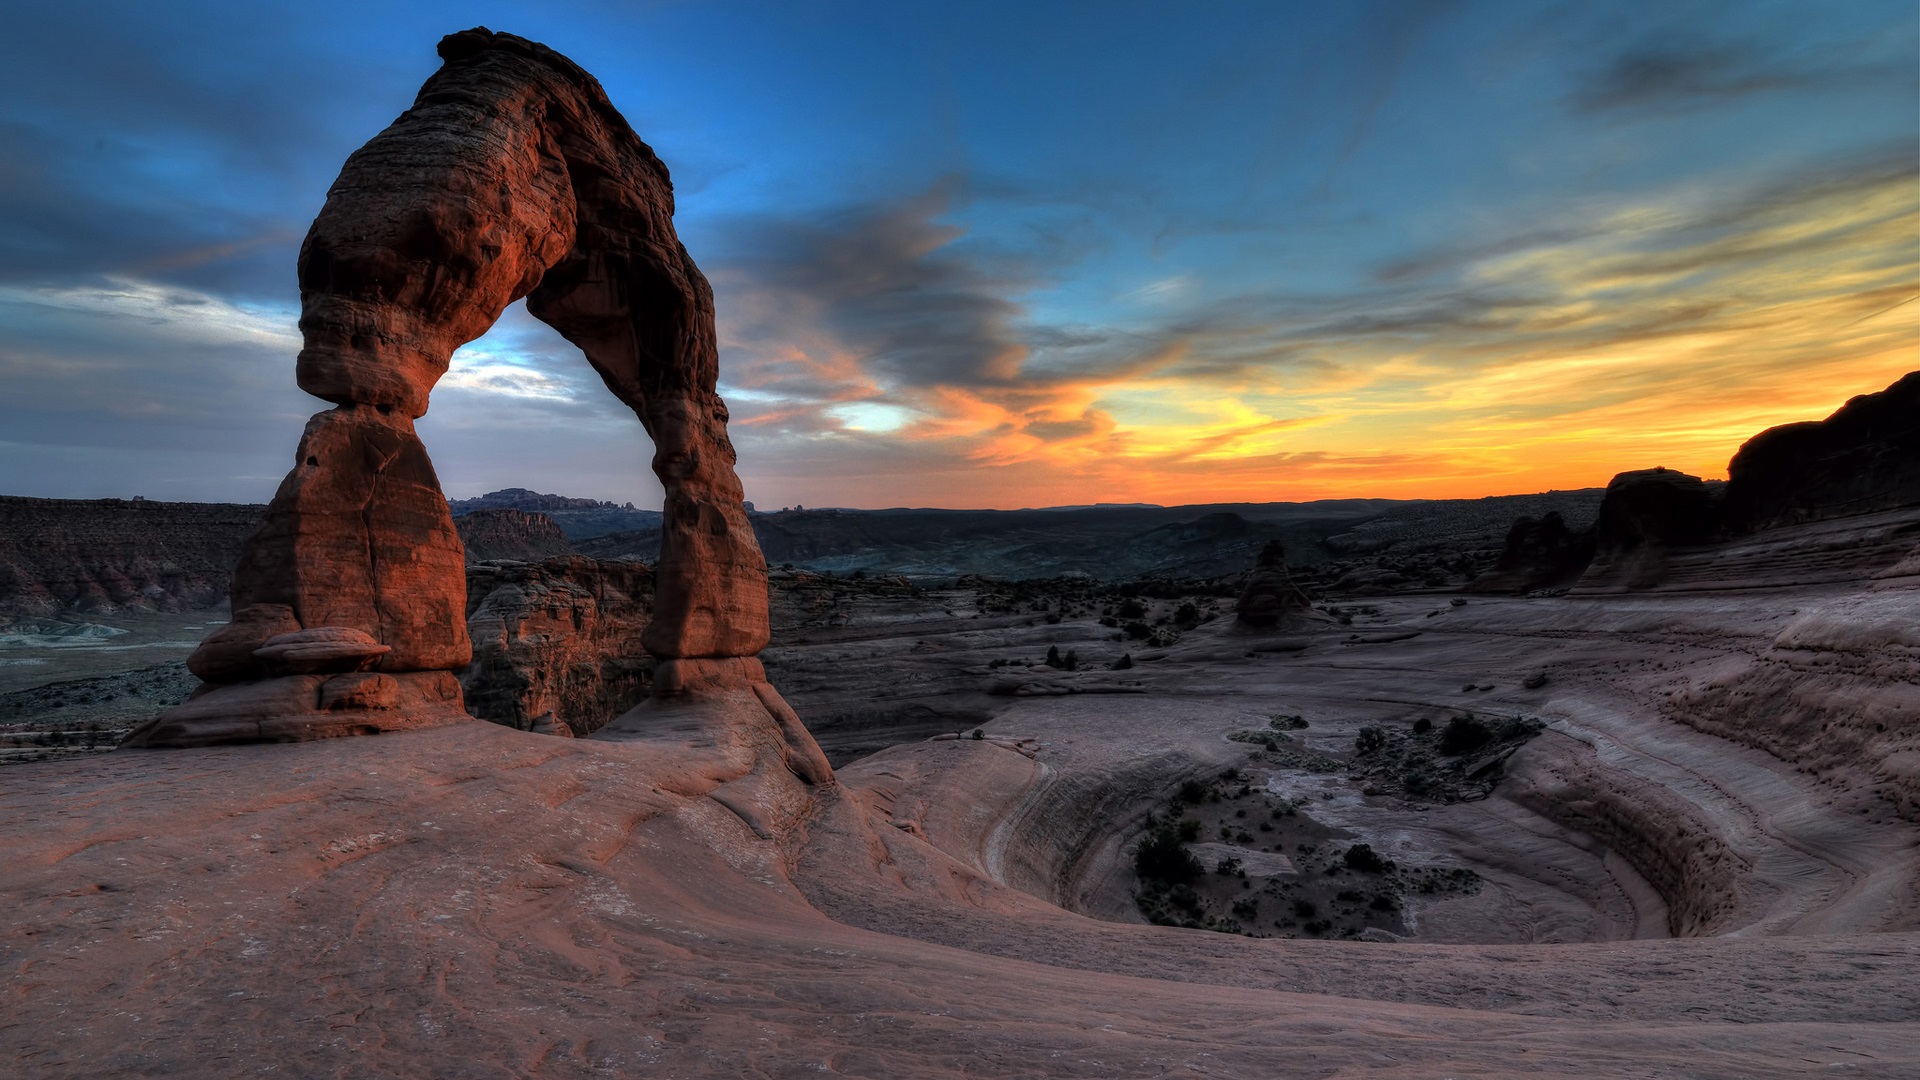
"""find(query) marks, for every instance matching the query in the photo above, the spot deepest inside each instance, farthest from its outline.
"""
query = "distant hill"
(1363, 541)
(579, 519)
(58, 554)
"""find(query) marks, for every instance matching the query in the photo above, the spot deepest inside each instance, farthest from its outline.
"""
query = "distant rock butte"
(511, 176)
(510, 534)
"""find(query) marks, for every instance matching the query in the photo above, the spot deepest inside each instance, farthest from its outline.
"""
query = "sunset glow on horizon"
(992, 257)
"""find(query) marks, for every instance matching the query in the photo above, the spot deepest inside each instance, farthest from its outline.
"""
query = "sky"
(1001, 255)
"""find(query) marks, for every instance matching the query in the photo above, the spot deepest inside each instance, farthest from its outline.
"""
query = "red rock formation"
(511, 176)
(556, 644)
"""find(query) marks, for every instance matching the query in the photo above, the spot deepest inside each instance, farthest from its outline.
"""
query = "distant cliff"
(510, 534)
(109, 554)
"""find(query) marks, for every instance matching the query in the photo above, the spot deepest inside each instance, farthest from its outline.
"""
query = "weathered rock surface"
(1271, 598)
(556, 645)
(230, 654)
(359, 536)
(490, 535)
(321, 650)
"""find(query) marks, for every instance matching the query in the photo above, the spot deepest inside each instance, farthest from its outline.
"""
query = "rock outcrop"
(556, 644)
(491, 535)
(512, 176)
(1863, 458)
(1646, 515)
(1270, 598)
(1540, 553)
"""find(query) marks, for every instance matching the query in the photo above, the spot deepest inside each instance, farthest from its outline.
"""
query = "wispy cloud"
(1669, 324)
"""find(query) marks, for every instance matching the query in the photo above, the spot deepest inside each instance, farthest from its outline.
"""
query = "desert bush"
(1464, 734)
(1422, 726)
(1363, 858)
(1161, 858)
(1371, 738)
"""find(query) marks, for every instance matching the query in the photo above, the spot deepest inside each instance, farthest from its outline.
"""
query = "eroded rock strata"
(556, 644)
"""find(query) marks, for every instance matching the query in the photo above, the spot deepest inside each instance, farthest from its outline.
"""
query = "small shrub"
(1422, 726)
(1193, 791)
(1053, 657)
(1371, 738)
(1383, 902)
(1363, 858)
(1161, 858)
(1305, 909)
(1125, 662)
(1464, 734)
(1281, 722)
(1188, 829)
(979, 733)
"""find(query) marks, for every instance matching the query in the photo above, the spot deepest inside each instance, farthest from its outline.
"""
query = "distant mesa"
(495, 534)
(529, 500)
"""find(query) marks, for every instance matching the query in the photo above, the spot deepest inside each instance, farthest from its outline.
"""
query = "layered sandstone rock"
(512, 176)
(556, 644)
(103, 555)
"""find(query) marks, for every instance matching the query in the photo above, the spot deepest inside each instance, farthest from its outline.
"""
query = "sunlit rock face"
(512, 176)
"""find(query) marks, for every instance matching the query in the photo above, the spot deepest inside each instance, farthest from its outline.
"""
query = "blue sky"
(1003, 255)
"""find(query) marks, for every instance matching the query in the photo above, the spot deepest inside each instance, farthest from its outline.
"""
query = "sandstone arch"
(511, 176)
